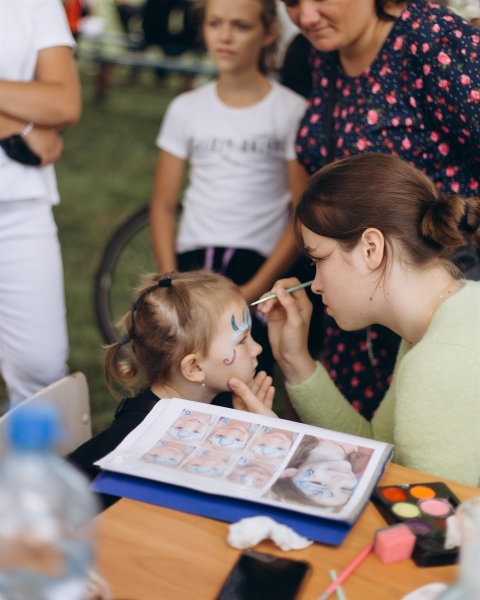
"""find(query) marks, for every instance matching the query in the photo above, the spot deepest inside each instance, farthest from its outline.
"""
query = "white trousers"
(33, 330)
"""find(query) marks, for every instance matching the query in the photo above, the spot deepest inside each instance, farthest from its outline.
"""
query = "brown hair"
(347, 197)
(380, 6)
(269, 17)
(172, 316)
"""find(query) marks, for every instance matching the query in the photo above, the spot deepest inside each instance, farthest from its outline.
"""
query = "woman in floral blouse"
(407, 83)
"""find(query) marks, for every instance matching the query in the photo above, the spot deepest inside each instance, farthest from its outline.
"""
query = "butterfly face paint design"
(163, 460)
(238, 330)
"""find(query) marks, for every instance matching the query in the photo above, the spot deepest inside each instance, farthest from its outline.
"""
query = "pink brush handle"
(346, 572)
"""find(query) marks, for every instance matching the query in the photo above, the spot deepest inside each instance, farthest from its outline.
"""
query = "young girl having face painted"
(187, 334)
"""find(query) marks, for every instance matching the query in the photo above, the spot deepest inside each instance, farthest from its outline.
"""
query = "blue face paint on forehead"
(238, 330)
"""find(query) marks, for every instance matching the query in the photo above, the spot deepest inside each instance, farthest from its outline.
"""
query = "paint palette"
(424, 508)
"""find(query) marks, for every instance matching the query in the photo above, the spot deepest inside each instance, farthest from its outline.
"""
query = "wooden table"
(148, 552)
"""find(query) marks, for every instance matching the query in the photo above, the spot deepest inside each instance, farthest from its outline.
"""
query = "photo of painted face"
(270, 443)
(230, 435)
(208, 463)
(191, 426)
(252, 473)
(167, 454)
(319, 474)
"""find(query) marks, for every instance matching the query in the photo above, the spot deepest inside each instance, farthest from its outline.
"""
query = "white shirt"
(26, 27)
(238, 196)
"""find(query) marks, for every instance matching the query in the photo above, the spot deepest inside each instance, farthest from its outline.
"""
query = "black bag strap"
(328, 118)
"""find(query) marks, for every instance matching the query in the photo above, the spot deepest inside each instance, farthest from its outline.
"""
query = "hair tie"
(165, 282)
(125, 339)
(463, 223)
(133, 306)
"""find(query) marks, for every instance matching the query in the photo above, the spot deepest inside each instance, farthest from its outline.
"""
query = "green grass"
(105, 174)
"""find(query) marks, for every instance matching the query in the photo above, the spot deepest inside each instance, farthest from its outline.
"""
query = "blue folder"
(221, 508)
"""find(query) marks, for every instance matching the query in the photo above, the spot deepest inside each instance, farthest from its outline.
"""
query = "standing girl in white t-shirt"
(237, 135)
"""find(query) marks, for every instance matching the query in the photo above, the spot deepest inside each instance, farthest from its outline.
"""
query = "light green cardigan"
(432, 410)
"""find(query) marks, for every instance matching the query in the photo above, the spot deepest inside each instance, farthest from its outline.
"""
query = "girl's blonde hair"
(172, 316)
(269, 17)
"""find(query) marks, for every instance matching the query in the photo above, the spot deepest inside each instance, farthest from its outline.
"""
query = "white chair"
(70, 396)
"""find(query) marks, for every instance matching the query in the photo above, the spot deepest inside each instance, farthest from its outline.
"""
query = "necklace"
(432, 312)
(368, 342)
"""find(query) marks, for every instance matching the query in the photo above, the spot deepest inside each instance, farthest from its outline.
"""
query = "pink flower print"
(333, 374)
(317, 101)
(303, 131)
(455, 187)
(434, 136)
(443, 58)
(314, 118)
(472, 184)
(395, 121)
(323, 151)
(356, 404)
(376, 87)
(324, 82)
(415, 25)
(372, 117)
(426, 69)
(406, 15)
(408, 122)
(465, 79)
(346, 91)
(390, 98)
(398, 43)
(418, 84)
(450, 171)
(458, 33)
(348, 127)
(368, 393)
(436, 28)
(340, 347)
(335, 359)
(438, 114)
(406, 144)
(475, 95)
(354, 381)
(475, 39)
(329, 331)
(339, 142)
(425, 47)
(443, 83)
(413, 48)
(358, 367)
(316, 63)
(444, 149)
(361, 144)
(448, 18)
(412, 101)
(384, 70)
(344, 113)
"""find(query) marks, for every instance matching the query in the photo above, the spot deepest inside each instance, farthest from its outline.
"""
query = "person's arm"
(53, 98)
(437, 412)
(286, 252)
(163, 209)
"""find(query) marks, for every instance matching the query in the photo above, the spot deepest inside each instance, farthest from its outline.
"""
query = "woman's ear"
(373, 247)
(192, 369)
(271, 35)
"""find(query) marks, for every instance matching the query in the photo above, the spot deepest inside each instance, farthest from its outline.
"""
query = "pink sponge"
(394, 543)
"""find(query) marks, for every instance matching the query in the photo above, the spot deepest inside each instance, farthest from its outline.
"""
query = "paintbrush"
(289, 290)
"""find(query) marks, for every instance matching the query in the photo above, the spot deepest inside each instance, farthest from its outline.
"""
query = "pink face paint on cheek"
(228, 362)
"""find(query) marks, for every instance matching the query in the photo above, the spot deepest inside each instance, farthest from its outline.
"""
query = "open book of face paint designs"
(253, 457)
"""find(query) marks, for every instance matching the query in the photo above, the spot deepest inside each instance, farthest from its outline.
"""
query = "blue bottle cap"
(34, 427)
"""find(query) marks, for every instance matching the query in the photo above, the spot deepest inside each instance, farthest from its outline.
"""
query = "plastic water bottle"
(46, 510)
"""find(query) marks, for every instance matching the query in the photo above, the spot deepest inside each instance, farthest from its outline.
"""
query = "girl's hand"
(46, 143)
(288, 322)
(258, 398)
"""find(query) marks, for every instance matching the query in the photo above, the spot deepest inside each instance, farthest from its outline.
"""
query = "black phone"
(259, 576)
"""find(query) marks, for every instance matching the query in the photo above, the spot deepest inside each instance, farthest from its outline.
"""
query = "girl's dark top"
(420, 99)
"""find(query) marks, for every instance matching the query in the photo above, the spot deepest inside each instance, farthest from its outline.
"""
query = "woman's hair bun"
(451, 221)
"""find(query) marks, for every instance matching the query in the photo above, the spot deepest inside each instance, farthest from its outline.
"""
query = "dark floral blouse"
(420, 99)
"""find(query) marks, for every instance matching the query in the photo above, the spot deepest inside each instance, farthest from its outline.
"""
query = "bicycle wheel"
(127, 256)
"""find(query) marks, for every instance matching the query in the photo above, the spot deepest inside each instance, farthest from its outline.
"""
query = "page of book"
(262, 459)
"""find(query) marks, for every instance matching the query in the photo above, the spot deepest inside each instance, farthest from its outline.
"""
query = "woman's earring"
(203, 383)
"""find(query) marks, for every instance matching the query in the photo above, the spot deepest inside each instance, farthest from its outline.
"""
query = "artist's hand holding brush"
(289, 317)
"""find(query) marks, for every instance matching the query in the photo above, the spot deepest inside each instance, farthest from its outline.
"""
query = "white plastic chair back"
(71, 397)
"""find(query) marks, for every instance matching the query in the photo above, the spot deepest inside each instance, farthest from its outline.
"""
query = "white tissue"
(247, 533)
